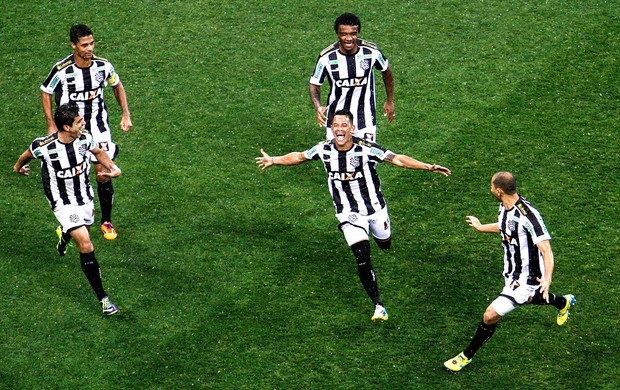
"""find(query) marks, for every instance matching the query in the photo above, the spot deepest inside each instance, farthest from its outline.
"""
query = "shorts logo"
(74, 218)
(352, 218)
(104, 146)
(354, 161)
(364, 64)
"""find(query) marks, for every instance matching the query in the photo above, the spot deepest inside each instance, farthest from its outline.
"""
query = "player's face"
(496, 192)
(347, 38)
(342, 130)
(75, 131)
(84, 48)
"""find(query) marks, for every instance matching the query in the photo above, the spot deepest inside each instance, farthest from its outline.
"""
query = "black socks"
(483, 333)
(105, 191)
(361, 251)
(90, 266)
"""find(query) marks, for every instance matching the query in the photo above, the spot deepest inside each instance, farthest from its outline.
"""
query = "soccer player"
(528, 264)
(65, 167)
(81, 78)
(348, 66)
(361, 209)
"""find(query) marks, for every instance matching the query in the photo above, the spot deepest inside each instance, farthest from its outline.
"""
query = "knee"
(490, 316)
(384, 244)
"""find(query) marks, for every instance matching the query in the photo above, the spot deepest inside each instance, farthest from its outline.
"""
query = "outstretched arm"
(388, 106)
(488, 228)
(293, 158)
(404, 161)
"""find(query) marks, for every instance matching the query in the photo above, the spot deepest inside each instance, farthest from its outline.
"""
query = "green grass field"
(232, 277)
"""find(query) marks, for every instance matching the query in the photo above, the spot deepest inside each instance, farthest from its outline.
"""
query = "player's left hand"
(265, 161)
(441, 170)
(25, 170)
(544, 288)
(114, 172)
(388, 110)
(126, 124)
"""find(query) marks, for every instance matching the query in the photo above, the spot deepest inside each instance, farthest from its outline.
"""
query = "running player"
(348, 66)
(528, 264)
(350, 163)
(81, 78)
(65, 167)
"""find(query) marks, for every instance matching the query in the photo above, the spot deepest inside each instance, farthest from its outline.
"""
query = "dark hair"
(346, 113)
(65, 115)
(506, 181)
(348, 20)
(79, 31)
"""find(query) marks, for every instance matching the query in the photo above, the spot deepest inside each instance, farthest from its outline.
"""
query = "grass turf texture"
(230, 277)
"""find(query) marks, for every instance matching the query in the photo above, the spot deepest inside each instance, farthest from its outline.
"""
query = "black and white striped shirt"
(84, 86)
(352, 175)
(64, 169)
(351, 80)
(521, 229)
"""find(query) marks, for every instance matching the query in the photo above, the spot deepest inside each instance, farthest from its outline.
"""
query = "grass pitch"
(230, 277)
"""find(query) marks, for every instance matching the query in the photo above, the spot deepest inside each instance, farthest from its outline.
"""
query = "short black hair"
(65, 115)
(506, 181)
(346, 113)
(79, 31)
(348, 19)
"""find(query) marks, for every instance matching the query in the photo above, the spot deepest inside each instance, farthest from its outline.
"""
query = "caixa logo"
(86, 95)
(345, 175)
(354, 82)
(73, 171)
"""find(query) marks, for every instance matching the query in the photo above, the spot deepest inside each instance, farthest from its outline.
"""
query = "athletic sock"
(361, 251)
(483, 333)
(105, 191)
(91, 269)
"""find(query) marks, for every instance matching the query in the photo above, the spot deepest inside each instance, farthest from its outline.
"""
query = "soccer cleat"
(457, 363)
(108, 307)
(380, 314)
(563, 314)
(109, 233)
(62, 245)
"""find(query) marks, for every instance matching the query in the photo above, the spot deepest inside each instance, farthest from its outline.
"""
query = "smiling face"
(342, 129)
(76, 128)
(347, 38)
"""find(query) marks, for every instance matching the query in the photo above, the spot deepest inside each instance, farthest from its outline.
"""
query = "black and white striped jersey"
(351, 80)
(522, 228)
(64, 169)
(84, 86)
(352, 175)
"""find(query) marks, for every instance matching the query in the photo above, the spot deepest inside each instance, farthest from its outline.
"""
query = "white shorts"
(357, 227)
(109, 147)
(514, 293)
(72, 217)
(368, 134)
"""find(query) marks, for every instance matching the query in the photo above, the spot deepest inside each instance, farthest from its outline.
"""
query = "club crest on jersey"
(511, 226)
(100, 77)
(345, 176)
(354, 161)
(83, 149)
(365, 64)
(86, 95)
(353, 82)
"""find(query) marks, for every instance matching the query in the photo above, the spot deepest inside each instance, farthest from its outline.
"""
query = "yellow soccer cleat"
(380, 314)
(457, 363)
(109, 233)
(563, 314)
